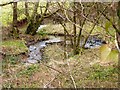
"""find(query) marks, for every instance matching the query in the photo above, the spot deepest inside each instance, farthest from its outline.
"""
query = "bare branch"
(114, 26)
(6, 4)
(52, 68)
(93, 27)
(46, 85)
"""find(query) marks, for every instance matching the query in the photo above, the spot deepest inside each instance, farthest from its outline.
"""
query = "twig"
(93, 27)
(52, 68)
(6, 3)
(114, 26)
(74, 84)
(46, 85)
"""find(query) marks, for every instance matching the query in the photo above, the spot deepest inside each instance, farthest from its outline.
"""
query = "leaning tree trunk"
(34, 21)
(118, 41)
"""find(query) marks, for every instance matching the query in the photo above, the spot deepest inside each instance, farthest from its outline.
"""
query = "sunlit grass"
(13, 47)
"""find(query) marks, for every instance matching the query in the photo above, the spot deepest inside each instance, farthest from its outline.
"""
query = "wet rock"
(38, 57)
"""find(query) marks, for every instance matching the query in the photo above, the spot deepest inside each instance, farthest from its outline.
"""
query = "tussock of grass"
(13, 47)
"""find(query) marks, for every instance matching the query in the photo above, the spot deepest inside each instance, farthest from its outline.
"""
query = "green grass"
(11, 59)
(103, 73)
(13, 47)
(29, 70)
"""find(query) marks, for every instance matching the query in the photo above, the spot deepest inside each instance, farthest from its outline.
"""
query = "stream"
(36, 50)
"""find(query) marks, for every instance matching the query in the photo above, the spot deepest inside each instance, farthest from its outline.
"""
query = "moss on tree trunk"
(33, 26)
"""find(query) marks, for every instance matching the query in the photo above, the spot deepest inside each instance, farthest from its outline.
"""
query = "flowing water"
(35, 51)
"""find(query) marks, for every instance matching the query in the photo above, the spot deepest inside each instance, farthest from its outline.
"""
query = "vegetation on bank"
(61, 66)
(14, 47)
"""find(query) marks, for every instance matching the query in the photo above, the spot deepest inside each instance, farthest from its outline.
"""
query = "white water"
(41, 27)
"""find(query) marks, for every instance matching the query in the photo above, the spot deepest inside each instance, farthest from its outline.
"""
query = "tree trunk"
(118, 42)
(74, 30)
(26, 10)
(34, 23)
(36, 19)
(15, 14)
(15, 31)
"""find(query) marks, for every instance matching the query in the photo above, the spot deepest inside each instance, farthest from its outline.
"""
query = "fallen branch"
(46, 85)
(59, 34)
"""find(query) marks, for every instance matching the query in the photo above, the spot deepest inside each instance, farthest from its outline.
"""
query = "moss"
(13, 47)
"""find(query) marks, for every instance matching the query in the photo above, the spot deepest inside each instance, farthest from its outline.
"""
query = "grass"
(84, 68)
(30, 70)
(13, 47)
(104, 73)
(11, 59)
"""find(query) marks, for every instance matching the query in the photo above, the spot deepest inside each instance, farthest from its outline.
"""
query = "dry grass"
(56, 72)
